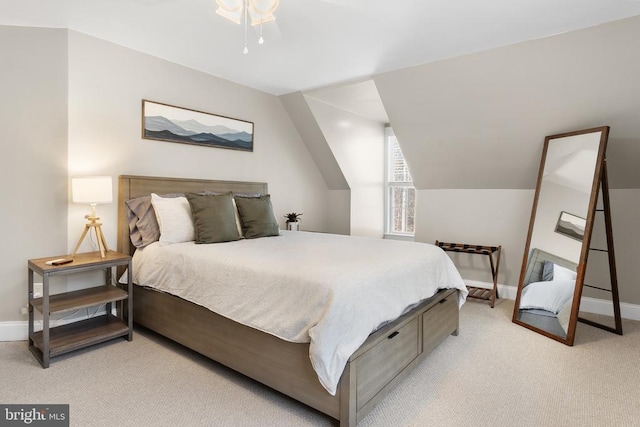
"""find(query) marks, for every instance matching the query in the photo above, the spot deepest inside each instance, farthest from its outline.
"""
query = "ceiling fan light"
(230, 5)
(240, 11)
(264, 7)
(260, 19)
(231, 16)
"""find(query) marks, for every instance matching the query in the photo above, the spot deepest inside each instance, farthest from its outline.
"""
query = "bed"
(370, 372)
(547, 295)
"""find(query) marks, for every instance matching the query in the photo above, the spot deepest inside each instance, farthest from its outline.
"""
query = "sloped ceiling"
(315, 43)
(312, 136)
(479, 121)
(361, 98)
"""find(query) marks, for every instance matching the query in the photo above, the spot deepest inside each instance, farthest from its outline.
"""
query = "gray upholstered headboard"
(538, 257)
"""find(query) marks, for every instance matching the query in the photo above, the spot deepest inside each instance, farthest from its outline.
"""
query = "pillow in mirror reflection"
(563, 273)
(550, 296)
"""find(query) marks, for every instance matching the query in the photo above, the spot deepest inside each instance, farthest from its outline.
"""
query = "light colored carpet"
(494, 373)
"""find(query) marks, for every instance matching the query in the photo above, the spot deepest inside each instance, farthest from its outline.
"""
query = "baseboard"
(14, 331)
(19, 330)
(605, 307)
(587, 304)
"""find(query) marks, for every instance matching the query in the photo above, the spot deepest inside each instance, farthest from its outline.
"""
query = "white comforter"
(329, 290)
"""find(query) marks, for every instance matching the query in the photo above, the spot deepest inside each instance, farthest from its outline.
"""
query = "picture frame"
(571, 226)
(164, 122)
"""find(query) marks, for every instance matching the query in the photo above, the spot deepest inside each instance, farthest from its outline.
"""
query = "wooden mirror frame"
(599, 170)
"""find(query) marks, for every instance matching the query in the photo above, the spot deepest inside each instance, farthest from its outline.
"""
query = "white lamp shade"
(92, 189)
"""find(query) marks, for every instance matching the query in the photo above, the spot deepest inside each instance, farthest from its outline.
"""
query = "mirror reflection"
(557, 233)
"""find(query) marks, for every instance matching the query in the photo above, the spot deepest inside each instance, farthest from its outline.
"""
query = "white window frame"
(388, 185)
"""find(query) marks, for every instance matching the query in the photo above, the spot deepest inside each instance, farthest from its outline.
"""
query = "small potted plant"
(293, 221)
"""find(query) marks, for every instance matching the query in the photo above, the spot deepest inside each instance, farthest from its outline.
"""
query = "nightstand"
(50, 342)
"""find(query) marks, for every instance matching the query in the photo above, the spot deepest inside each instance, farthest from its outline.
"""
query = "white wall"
(33, 173)
(358, 146)
(106, 85)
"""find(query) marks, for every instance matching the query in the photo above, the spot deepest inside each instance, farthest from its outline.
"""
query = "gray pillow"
(256, 216)
(214, 218)
(547, 271)
(143, 225)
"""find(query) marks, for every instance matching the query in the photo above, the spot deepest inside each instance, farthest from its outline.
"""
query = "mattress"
(329, 290)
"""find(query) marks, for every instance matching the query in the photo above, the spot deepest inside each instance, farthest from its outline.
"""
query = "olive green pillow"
(214, 218)
(256, 216)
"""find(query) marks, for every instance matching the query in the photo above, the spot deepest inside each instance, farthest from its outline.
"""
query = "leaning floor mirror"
(572, 171)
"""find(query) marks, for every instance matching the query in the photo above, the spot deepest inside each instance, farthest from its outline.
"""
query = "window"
(401, 195)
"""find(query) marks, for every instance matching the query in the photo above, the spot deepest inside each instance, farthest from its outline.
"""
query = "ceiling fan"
(259, 12)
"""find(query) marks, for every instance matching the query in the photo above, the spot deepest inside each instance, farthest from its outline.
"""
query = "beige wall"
(625, 215)
(105, 121)
(553, 199)
(479, 217)
(357, 144)
(74, 108)
(495, 217)
(33, 164)
(339, 210)
(472, 129)
(478, 121)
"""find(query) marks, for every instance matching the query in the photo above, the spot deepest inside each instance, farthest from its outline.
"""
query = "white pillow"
(562, 273)
(174, 218)
(550, 296)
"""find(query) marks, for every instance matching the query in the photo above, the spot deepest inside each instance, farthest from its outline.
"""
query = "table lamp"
(92, 190)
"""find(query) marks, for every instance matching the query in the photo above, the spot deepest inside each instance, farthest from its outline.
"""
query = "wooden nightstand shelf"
(50, 342)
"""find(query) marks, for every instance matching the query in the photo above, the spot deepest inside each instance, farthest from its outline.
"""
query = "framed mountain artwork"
(163, 122)
(571, 226)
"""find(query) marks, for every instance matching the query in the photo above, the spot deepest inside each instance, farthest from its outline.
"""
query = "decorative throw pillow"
(143, 225)
(256, 216)
(174, 219)
(562, 273)
(235, 207)
(547, 271)
(213, 217)
(237, 215)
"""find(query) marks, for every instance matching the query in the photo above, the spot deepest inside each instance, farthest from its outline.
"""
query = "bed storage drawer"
(381, 363)
(439, 322)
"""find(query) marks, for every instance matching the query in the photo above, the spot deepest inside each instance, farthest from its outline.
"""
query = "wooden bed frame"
(383, 361)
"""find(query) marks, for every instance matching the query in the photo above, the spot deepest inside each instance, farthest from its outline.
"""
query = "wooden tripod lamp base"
(92, 223)
(92, 190)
